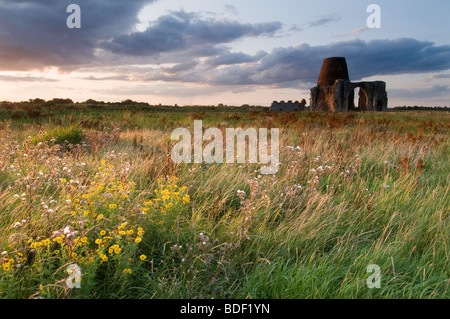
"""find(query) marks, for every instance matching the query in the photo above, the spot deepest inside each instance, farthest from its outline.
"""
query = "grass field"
(95, 187)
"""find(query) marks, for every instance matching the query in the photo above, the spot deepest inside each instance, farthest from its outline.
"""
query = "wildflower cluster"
(99, 216)
(9, 262)
(167, 197)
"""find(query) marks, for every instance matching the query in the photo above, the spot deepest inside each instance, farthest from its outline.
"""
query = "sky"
(203, 52)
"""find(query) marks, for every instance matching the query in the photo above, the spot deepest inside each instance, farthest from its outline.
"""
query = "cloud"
(360, 30)
(181, 30)
(439, 76)
(434, 92)
(364, 59)
(321, 21)
(12, 78)
(324, 20)
(297, 66)
(229, 58)
(108, 78)
(231, 9)
(34, 34)
(189, 47)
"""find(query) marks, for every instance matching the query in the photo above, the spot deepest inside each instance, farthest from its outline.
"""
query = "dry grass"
(352, 190)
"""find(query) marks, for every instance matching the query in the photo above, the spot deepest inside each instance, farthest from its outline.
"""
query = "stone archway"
(363, 98)
(360, 98)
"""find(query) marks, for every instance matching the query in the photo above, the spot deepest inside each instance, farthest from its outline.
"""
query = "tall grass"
(352, 190)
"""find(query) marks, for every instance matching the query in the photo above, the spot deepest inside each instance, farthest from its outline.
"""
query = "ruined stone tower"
(335, 93)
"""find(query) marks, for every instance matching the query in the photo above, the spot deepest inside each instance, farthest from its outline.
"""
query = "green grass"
(59, 135)
(382, 198)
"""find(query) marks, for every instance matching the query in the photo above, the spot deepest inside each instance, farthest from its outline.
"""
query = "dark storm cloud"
(364, 59)
(299, 66)
(182, 30)
(187, 65)
(34, 34)
(229, 58)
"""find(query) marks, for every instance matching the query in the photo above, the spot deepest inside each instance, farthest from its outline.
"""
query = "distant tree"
(57, 101)
(128, 102)
(90, 102)
(37, 101)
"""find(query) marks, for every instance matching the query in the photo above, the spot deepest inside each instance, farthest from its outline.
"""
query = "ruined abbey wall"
(288, 106)
(336, 93)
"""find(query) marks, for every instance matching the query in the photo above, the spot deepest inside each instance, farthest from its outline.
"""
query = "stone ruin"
(288, 107)
(335, 93)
